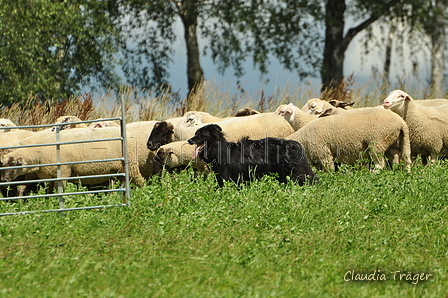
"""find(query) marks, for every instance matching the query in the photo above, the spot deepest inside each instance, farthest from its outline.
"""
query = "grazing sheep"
(137, 134)
(103, 124)
(255, 127)
(195, 118)
(296, 117)
(177, 155)
(428, 125)
(432, 102)
(6, 123)
(250, 159)
(246, 112)
(68, 119)
(316, 106)
(74, 152)
(15, 135)
(354, 135)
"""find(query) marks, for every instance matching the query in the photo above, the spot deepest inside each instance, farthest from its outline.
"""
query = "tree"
(52, 48)
(149, 27)
(234, 30)
(336, 42)
(437, 13)
(307, 36)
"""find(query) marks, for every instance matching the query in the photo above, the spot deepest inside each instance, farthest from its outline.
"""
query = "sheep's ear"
(346, 104)
(327, 112)
(21, 161)
(170, 126)
(407, 97)
(289, 110)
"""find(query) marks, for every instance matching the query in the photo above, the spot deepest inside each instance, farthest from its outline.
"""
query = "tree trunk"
(332, 72)
(438, 42)
(387, 62)
(188, 12)
(336, 43)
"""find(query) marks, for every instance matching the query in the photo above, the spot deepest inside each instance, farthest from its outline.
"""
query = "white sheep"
(428, 125)
(137, 134)
(75, 152)
(177, 154)
(102, 124)
(296, 117)
(15, 135)
(6, 123)
(434, 102)
(68, 119)
(246, 112)
(255, 127)
(316, 106)
(354, 135)
(195, 118)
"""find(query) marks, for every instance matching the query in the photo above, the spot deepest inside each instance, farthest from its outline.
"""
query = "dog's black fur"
(251, 158)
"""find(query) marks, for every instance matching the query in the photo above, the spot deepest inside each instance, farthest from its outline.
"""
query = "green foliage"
(184, 237)
(51, 48)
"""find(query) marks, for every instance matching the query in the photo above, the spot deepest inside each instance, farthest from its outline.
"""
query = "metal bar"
(62, 163)
(58, 169)
(59, 124)
(127, 196)
(65, 194)
(65, 209)
(63, 143)
(62, 179)
(124, 159)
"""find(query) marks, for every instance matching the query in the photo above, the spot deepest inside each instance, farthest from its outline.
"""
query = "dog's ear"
(216, 127)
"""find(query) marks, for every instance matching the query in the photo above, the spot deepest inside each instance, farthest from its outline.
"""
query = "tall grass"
(217, 99)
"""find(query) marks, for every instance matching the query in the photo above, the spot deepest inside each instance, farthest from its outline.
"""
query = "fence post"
(58, 171)
(124, 143)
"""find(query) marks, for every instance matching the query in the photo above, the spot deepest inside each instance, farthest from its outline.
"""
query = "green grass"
(184, 237)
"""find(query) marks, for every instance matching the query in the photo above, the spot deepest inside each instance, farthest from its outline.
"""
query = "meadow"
(182, 236)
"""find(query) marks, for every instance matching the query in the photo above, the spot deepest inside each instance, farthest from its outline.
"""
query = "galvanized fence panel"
(124, 189)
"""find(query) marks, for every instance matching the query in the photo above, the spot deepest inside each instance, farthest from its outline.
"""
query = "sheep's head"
(103, 124)
(314, 106)
(10, 174)
(396, 99)
(191, 119)
(68, 119)
(6, 123)
(161, 134)
(286, 111)
(246, 112)
(290, 112)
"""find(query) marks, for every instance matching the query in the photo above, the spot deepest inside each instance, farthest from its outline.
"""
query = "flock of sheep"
(331, 133)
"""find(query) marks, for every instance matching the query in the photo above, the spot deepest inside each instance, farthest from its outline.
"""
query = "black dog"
(251, 158)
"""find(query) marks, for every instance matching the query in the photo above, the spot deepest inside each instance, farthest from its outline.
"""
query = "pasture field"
(184, 237)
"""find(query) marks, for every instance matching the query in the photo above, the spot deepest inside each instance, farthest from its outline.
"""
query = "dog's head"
(208, 133)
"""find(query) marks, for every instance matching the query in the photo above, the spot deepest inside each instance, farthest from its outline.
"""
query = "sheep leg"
(378, 159)
(432, 158)
(326, 159)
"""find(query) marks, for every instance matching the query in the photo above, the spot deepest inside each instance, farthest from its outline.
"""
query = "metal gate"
(124, 188)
